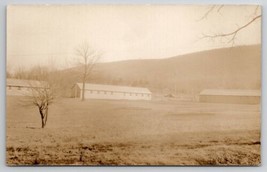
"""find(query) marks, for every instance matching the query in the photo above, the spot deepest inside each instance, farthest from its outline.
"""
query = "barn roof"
(115, 88)
(24, 83)
(230, 92)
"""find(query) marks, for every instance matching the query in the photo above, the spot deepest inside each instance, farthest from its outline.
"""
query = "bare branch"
(207, 13)
(232, 34)
(219, 8)
(256, 10)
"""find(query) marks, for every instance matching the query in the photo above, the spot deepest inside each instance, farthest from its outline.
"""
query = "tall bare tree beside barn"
(87, 58)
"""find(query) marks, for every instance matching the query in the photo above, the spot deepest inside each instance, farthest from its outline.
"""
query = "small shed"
(113, 92)
(231, 96)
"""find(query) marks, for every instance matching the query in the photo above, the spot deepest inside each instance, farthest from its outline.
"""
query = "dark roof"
(115, 88)
(231, 92)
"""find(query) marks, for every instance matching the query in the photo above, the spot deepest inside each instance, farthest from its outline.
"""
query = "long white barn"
(230, 96)
(19, 87)
(114, 92)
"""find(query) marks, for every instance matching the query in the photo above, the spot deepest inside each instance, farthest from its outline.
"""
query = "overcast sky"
(50, 34)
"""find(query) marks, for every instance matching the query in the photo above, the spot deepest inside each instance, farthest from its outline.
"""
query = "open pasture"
(102, 132)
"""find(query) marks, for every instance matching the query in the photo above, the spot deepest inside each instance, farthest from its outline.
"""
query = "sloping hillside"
(236, 67)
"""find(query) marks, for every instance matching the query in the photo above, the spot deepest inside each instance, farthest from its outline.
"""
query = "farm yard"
(126, 85)
(113, 132)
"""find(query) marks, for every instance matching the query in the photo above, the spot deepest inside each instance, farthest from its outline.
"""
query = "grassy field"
(98, 132)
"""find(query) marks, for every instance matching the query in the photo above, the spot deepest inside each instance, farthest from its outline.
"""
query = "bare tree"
(87, 58)
(231, 35)
(20, 73)
(42, 97)
(8, 74)
(42, 91)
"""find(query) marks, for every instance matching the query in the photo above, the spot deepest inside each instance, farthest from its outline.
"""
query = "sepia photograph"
(133, 85)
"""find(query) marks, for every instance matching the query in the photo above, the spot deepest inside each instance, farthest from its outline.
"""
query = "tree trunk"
(46, 115)
(42, 117)
(43, 124)
(83, 90)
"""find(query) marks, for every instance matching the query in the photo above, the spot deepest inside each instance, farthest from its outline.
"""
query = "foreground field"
(102, 132)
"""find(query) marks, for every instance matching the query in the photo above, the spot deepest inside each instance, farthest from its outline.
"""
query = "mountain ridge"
(228, 68)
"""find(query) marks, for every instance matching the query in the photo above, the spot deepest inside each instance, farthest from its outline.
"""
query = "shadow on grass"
(33, 127)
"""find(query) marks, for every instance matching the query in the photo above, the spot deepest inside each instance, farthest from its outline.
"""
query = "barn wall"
(17, 91)
(230, 99)
(115, 95)
(76, 92)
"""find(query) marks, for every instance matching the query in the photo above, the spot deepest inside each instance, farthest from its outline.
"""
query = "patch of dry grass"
(134, 133)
